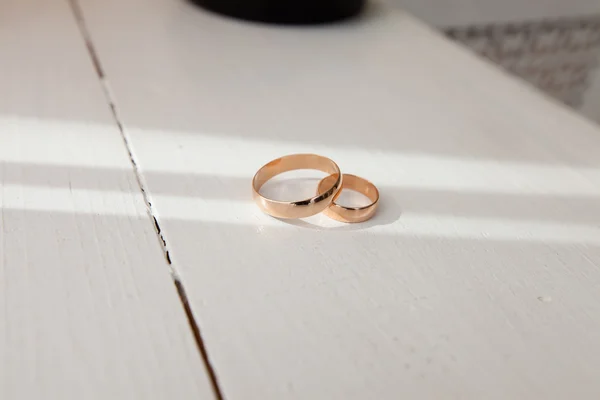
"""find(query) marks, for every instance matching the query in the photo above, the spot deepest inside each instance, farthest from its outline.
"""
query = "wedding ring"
(351, 214)
(303, 208)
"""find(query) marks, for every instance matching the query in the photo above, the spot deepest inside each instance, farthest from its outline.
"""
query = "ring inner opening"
(355, 192)
(295, 177)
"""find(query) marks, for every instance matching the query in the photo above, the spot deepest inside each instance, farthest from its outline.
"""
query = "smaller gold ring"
(351, 214)
(303, 208)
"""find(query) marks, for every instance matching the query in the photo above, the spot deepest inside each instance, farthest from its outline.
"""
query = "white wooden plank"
(88, 309)
(477, 279)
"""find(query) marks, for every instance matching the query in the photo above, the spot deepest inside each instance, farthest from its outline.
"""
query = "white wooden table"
(478, 279)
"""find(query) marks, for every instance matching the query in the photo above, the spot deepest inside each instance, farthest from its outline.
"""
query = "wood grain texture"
(479, 276)
(88, 309)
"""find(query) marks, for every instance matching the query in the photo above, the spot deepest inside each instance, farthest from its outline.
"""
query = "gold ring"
(303, 208)
(352, 214)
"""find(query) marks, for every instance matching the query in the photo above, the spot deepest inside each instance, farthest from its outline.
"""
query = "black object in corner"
(294, 12)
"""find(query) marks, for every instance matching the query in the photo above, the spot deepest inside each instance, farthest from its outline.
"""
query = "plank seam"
(181, 291)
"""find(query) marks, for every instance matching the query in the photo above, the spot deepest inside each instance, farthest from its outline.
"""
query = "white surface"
(477, 279)
(88, 309)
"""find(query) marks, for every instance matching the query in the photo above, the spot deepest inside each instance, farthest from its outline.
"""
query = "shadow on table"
(394, 200)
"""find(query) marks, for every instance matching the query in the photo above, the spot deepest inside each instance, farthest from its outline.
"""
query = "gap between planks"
(181, 291)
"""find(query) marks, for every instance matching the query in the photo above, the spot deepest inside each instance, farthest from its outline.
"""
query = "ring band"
(352, 214)
(303, 208)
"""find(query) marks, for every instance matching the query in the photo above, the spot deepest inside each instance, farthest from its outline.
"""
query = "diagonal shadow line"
(212, 231)
(394, 200)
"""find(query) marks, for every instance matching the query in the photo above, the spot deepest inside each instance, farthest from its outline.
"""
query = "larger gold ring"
(352, 214)
(303, 208)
